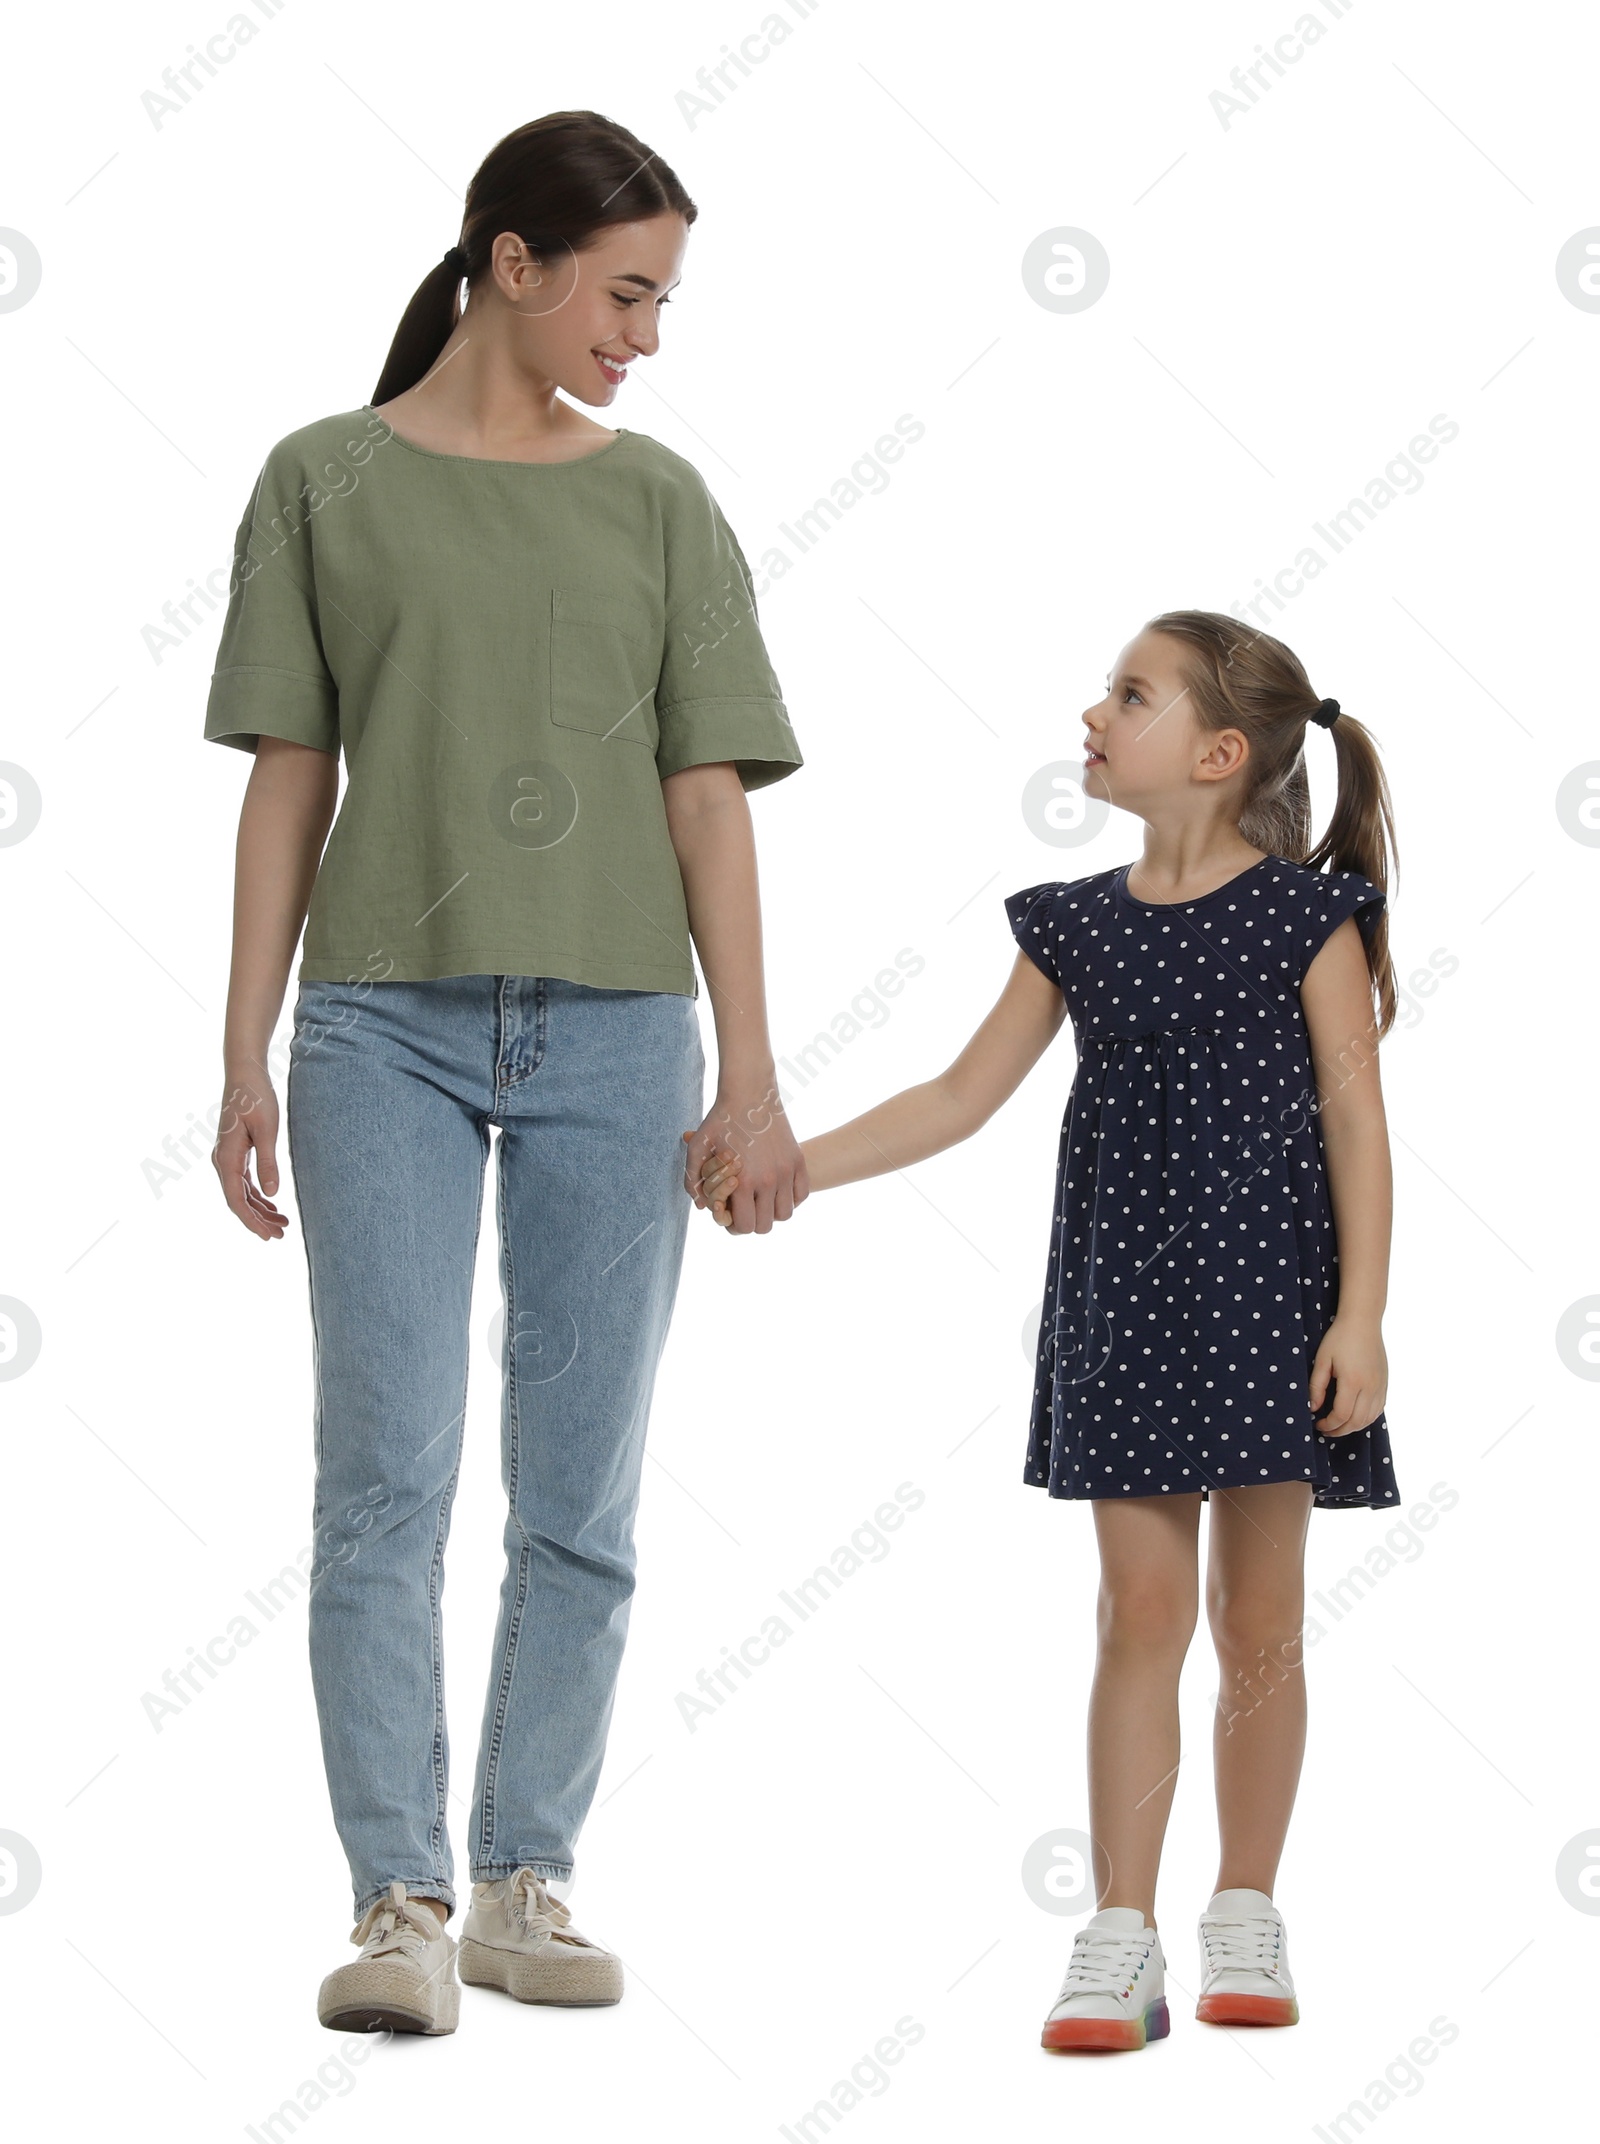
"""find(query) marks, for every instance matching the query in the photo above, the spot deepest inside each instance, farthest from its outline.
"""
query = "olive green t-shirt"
(512, 656)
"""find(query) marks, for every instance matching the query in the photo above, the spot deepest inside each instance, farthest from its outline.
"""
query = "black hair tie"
(456, 258)
(1326, 713)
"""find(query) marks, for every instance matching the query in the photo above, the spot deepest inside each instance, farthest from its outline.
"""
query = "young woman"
(1218, 1263)
(533, 638)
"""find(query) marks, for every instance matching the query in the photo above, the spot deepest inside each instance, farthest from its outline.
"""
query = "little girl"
(1218, 1260)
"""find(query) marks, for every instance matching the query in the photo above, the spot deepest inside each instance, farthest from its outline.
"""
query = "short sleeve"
(1032, 916)
(271, 676)
(1332, 897)
(717, 697)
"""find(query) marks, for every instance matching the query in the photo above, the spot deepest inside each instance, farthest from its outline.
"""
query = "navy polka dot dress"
(1193, 1268)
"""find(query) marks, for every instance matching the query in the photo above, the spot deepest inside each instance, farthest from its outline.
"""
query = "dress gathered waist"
(1183, 1031)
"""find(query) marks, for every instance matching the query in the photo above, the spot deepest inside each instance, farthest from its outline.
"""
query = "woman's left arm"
(1337, 999)
(709, 821)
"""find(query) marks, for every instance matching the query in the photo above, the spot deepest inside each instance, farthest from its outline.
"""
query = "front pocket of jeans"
(603, 669)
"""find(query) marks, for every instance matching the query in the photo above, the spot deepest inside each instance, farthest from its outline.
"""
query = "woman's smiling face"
(586, 316)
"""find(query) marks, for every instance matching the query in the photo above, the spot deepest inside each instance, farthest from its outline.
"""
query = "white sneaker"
(404, 1980)
(517, 1937)
(1114, 1993)
(1244, 1963)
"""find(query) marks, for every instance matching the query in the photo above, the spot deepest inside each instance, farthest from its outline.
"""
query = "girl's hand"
(1352, 1357)
(249, 1123)
(772, 1179)
(718, 1181)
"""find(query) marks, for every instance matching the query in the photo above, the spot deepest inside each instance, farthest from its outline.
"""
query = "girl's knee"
(1150, 1614)
(1252, 1625)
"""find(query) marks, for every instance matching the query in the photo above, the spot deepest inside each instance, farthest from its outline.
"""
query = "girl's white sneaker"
(1114, 1993)
(1244, 1963)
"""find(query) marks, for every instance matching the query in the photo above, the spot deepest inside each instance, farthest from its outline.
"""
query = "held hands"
(1352, 1358)
(745, 1163)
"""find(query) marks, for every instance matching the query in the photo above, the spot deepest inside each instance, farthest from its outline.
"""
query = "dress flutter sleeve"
(1333, 896)
(1032, 916)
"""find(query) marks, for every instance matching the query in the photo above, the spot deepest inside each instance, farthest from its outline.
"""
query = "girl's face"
(1142, 743)
(581, 318)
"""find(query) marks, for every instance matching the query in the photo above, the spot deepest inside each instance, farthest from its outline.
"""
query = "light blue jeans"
(392, 1088)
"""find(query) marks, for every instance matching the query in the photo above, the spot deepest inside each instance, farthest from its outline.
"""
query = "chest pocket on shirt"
(603, 668)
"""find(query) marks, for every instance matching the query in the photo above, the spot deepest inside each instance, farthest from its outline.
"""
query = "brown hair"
(1240, 679)
(558, 182)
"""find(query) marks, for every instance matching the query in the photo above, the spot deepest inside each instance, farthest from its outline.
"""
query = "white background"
(1292, 298)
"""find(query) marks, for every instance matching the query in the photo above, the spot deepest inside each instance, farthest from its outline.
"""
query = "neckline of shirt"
(1120, 887)
(492, 461)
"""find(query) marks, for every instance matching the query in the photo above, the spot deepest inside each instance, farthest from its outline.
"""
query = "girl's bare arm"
(1337, 999)
(941, 1112)
(288, 807)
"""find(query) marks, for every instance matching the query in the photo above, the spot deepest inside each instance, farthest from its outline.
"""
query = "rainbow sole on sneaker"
(1248, 2010)
(1107, 2035)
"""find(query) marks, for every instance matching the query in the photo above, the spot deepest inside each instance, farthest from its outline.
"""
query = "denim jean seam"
(541, 1865)
(436, 1661)
(508, 1662)
(311, 1286)
(413, 1890)
(504, 1085)
(435, 1575)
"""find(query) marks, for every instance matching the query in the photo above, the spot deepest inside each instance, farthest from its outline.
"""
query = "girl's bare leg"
(1255, 1600)
(1149, 1603)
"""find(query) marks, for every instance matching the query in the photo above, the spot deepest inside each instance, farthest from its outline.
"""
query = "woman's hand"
(249, 1121)
(767, 1179)
(1352, 1356)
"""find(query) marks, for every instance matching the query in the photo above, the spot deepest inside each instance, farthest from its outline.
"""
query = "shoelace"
(1105, 1961)
(536, 1913)
(395, 1923)
(1249, 1944)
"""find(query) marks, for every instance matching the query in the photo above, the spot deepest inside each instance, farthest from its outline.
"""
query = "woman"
(534, 640)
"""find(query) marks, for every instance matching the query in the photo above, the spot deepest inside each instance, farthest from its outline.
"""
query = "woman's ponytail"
(426, 325)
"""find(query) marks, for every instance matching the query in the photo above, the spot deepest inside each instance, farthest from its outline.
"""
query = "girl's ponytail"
(1360, 834)
(1245, 680)
(557, 182)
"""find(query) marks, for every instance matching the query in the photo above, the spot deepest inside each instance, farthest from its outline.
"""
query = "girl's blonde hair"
(1240, 679)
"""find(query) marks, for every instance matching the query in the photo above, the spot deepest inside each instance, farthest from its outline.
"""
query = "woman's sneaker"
(1114, 1993)
(1244, 1963)
(517, 1937)
(404, 1980)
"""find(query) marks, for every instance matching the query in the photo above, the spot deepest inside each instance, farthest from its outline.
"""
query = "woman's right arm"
(288, 807)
